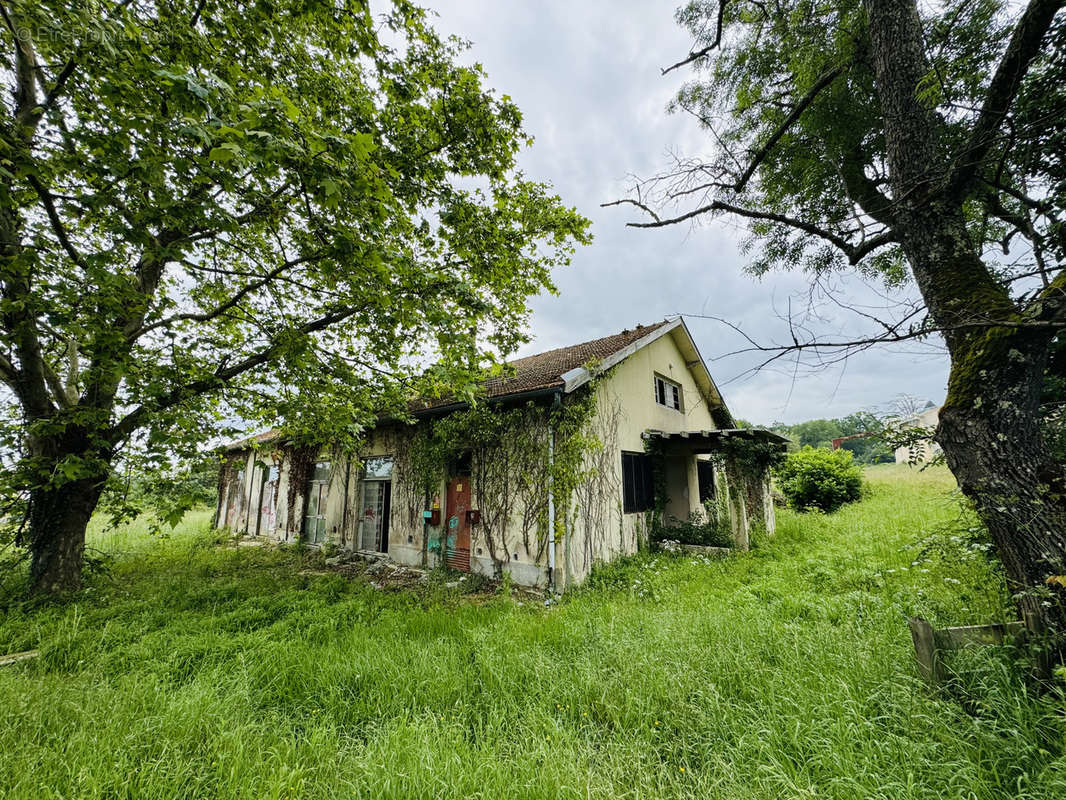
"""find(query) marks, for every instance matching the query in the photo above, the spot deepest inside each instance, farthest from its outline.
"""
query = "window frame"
(638, 483)
(376, 476)
(318, 487)
(661, 383)
(706, 480)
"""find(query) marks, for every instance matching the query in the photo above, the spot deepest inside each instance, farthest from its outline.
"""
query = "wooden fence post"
(926, 650)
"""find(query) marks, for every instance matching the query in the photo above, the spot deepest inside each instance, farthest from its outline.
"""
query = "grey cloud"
(587, 78)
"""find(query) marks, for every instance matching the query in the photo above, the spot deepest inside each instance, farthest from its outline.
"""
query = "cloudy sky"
(586, 75)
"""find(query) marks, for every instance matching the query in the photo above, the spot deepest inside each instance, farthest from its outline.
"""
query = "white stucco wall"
(627, 400)
(923, 451)
(594, 529)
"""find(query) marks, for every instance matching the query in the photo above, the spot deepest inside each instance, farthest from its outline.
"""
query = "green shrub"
(700, 529)
(821, 479)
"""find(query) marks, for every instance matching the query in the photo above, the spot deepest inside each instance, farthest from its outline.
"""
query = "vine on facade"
(302, 460)
(508, 452)
(594, 476)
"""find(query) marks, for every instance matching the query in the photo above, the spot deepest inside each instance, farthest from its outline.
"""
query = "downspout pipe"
(557, 402)
(344, 514)
(251, 486)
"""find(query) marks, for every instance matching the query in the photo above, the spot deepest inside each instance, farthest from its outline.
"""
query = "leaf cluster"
(274, 212)
(819, 479)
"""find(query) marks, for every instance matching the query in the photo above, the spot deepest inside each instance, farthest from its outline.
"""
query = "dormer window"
(667, 393)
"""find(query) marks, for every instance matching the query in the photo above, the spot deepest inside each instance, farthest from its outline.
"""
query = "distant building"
(926, 449)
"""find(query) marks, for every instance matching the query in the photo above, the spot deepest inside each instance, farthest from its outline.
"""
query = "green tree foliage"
(164, 493)
(816, 432)
(267, 210)
(821, 432)
(819, 479)
(908, 142)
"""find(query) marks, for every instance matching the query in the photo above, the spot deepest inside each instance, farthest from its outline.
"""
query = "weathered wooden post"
(925, 649)
(930, 644)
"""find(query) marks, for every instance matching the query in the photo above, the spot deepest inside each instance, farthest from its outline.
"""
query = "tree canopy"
(909, 142)
(274, 211)
(788, 95)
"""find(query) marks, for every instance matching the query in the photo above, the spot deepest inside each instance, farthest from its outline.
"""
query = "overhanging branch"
(54, 220)
(855, 252)
(138, 416)
(1023, 48)
(221, 308)
(802, 105)
(696, 55)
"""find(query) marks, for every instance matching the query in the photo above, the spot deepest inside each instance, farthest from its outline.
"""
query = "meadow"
(190, 668)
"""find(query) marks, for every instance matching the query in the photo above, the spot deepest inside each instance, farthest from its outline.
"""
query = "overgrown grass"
(194, 670)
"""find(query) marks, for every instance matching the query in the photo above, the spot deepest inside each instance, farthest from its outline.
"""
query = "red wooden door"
(457, 528)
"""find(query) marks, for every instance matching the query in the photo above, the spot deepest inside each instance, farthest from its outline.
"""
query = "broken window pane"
(667, 393)
(379, 468)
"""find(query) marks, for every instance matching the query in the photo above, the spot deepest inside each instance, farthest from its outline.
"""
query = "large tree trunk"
(988, 429)
(58, 518)
(989, 423)
(59, 509)
(988, 426)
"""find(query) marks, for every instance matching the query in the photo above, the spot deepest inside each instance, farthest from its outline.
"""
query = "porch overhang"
(703, 442)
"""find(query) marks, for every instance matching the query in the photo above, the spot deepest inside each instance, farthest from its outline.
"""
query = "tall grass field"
(191, 668)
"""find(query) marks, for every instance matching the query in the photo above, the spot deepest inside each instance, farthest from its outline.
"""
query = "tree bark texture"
(58, 519)
(988, 425)
(60, 508)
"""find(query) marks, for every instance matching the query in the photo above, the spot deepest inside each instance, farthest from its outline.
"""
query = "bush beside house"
(819, 479)
(704, 530)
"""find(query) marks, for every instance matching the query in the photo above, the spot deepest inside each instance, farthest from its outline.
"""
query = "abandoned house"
(920, 450)
(577, 456)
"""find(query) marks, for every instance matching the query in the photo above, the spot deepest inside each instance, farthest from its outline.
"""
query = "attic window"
(667, 393)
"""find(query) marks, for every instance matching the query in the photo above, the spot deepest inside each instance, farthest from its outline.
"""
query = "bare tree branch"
(804, 102)
(895, 332)
(854, 252)
(1024, 46)
(696, 55)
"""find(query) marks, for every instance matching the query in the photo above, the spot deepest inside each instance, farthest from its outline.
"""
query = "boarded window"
(315, 509)
(638, 490)
(667, 393)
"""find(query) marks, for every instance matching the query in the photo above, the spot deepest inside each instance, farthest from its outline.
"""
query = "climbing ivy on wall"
(587, 472)
(302, 460)
(655, 519)
(510, 476)
(748, 457)
(746, 464)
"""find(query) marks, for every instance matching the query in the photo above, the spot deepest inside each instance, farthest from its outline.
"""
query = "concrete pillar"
(737, 505)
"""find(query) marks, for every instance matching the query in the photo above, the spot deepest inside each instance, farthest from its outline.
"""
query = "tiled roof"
(249, 441)
(529, 374)
(545, 370)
